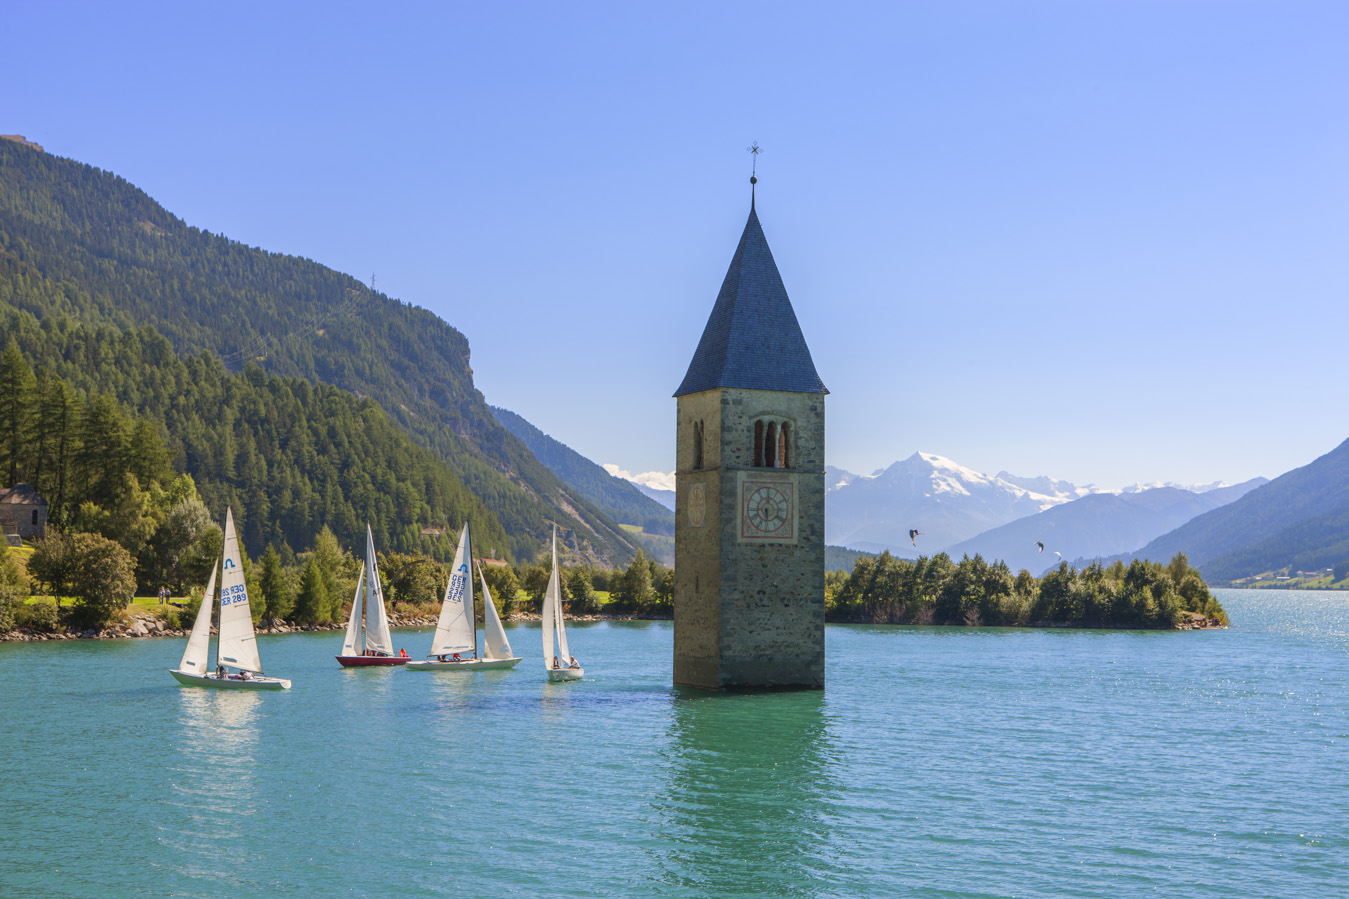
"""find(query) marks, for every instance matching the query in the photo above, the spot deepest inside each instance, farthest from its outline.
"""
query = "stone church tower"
(749, 481)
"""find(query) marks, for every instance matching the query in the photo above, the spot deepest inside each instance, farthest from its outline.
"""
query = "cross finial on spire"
(754, 151)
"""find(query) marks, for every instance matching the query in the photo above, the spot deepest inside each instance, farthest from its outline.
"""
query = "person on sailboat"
(556, 663)
(574, 663)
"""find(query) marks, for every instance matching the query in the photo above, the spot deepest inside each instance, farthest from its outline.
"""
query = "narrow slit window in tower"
(770, 445)
(697, 444)
(758, 444)
(784, 446)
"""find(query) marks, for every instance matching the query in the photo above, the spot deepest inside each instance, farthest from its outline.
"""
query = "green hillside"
(287, 455)
(1300, 518)
(840, 558)
(616, 497)
(84, 244)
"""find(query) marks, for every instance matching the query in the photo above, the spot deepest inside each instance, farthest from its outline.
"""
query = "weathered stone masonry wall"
(755, 606)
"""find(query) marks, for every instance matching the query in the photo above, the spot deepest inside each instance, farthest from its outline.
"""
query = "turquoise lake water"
(937, 763)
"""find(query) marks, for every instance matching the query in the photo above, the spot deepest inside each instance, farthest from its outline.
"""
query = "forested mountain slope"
(617, 498)
(289, 456)
(1300, 518)
(84, 243)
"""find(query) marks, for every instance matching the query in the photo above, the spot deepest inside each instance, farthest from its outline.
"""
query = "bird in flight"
(914, 532)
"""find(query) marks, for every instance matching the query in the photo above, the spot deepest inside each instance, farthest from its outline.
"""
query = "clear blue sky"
(1104, 241)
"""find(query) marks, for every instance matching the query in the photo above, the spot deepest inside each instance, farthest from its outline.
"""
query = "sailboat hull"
(254, 682)
(371, 661)
(565, 674)
(465, 665)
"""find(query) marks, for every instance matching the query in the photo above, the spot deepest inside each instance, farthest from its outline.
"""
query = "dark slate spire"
(752, 339)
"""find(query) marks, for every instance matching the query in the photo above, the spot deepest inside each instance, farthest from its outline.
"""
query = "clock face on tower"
(766, 510)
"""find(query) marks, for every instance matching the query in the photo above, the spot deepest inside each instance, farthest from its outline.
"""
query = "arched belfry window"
(772, 443)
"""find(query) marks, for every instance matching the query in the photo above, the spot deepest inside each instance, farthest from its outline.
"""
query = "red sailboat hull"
(368, 661)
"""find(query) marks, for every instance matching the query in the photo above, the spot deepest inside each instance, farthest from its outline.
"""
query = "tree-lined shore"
(312, 591)
(974, 592)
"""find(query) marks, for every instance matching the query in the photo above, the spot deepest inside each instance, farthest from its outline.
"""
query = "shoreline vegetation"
(125, 518)
(977, 593)
(879, 590)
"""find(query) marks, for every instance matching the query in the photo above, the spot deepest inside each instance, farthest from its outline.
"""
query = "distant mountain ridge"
(951, 505)
(1300, 518)
(1099, 524)
(651, 484)
(946, 501)
(81, 244)
(618, 498)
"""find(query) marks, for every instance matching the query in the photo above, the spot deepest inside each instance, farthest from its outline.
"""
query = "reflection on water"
(452, 690)
(213, 779)
(750, 795)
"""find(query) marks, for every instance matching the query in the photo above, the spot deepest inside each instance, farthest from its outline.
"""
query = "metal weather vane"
(753, 150)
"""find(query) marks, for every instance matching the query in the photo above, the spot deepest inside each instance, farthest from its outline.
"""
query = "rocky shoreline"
(151, 626)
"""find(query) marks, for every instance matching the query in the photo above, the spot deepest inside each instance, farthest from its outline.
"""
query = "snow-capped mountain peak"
(943, 499)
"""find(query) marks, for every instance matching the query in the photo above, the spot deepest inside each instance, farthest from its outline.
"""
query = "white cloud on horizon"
(656, 480)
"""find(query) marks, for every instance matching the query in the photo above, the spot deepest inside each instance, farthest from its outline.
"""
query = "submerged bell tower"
(749, 482)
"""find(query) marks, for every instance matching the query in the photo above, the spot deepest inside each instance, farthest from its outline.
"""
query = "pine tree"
(635, 593)
(16, 389)
(311, 601)
(329, 559)
(276, 598)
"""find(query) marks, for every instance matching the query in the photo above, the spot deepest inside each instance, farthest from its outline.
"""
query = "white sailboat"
(367, 642)
(238, 666)
(560, 664)
(455, 644)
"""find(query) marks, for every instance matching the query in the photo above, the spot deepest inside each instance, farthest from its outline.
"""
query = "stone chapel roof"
(752, 339)
(21, 494)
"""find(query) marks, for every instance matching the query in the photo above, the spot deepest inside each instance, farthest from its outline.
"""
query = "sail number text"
(237, 593)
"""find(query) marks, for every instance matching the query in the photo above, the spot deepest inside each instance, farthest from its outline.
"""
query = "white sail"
(553, 627)
(550, 611)
(238, 645)
(199, 641)
(454, 628)
(376, 621)
(495, 644)
(563, 653)
(356, 621)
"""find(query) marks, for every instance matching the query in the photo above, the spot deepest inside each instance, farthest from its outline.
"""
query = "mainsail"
(377, 637)
(552, 617)
(199, 641)
(238, 646)
(454, 628)
(495, 644)
(356, 622)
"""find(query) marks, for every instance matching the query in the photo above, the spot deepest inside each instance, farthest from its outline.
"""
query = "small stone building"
(23, 514)
(749, 481)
